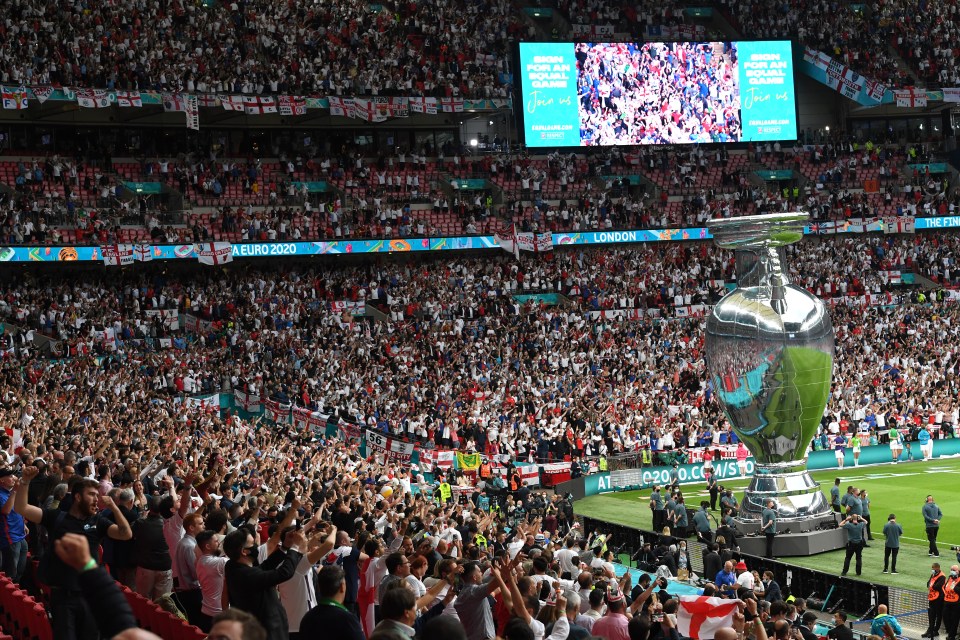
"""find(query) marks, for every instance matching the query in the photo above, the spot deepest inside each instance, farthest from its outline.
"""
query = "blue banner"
(405, 245)
(768, 105)
(548, 80)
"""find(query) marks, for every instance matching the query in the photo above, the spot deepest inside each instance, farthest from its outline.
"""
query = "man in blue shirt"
(926, 444)
(13, 542)
(726, 580)
(931, 521)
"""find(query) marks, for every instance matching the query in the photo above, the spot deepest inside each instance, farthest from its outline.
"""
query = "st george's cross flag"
(214, 253)
(699, 617)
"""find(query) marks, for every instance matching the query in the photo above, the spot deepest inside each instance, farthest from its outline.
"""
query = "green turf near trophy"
(769, 355)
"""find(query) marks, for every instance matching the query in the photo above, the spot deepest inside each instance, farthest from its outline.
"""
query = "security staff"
(701, 522)
(445, 492)
(656, 506)
(486, 471)
(855, 528)
(835, 495)
(951, 602)
(934, 601)
(768, 524)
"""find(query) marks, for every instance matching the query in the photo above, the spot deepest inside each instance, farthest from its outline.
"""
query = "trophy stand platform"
(797, 537)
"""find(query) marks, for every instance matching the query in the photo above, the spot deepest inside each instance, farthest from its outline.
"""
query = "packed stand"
(925, 35)
(345, 48)
(862, 43)
(520, 394)
(185, 500)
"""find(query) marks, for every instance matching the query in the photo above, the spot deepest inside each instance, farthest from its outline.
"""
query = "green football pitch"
(899, 489)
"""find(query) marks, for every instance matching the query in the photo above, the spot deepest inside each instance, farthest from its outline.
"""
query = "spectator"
(251, 585)
(152, 556)
(71, 615)
(210, 575)
(330, 617)
(13, 545)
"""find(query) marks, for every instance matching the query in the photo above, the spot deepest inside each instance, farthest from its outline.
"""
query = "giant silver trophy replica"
(769, 355)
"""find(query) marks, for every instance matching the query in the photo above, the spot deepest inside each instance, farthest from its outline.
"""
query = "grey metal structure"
(770, 356)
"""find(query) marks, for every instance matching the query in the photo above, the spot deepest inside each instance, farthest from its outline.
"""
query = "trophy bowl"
(769, 355)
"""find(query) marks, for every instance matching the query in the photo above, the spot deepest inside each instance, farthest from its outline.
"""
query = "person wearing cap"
(745, 579)
(13, 534)
(891, 547)
(807, 624)
(613, 626)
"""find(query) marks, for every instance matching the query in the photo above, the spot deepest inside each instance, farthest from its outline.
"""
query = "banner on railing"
(529, 474)
(117, 255)
(350, 433)
(276, 411)
(247, 401)
(437, 458)
(193, 324)
(389, 448)
(468, 461)
(204, 403)
(169, 317)
(902, 224)
(306, 419)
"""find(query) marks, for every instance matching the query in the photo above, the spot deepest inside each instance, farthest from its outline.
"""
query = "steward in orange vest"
(935, 600)
(951, 602)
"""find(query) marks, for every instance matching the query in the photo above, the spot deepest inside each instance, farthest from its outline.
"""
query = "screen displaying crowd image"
(605, 94)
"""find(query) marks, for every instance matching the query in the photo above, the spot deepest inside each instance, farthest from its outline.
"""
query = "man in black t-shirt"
(72, 618)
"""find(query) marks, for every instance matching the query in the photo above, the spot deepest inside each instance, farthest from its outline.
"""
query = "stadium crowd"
(459, 365)
(862, 43)
(689, 93)
(400, 195)
(354, 48)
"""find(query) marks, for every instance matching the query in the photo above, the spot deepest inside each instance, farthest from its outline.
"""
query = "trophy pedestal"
(806, 537)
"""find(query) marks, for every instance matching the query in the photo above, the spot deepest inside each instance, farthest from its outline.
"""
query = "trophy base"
(796, 496)
(806, 537)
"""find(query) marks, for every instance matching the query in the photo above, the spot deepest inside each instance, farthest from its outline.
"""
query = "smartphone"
(657, 617)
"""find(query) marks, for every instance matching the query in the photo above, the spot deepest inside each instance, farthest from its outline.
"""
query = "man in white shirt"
(185, 567)
(565, 557)
(210, 576)
(745, 579)
(298, 594)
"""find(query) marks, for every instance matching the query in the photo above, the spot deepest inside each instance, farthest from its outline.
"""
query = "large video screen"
(622, 93)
